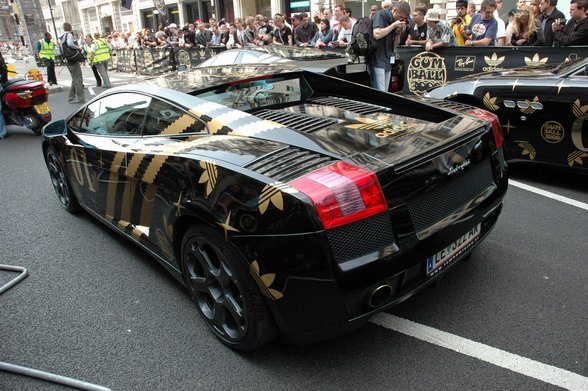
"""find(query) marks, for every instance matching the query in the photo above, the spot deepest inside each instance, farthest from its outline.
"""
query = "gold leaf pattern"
(268, 279)
(536, 60)
(528, 150)
(490, 102)
(271, 194)
(265, 281)
(494, 60)
(576, 157)
(209, 176)
(529, 110)
(578, 109)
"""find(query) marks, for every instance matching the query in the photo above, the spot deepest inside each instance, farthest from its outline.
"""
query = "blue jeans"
(381, 78)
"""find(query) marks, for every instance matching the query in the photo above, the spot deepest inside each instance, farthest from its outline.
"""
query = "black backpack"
(363, 42)
(70, 54)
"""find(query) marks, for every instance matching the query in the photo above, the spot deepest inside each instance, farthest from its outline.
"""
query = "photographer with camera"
(459, 23)
(575, 32)
(549, 13)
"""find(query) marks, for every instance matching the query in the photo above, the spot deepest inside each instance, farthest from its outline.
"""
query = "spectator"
(149, 41)
(549, 14)
(347, 12)
(283, 34)
(483, 26)
(471, 9)
(345, 31)
(233, 39)
(295, 23)
(418, 34)
(459, 23)
(76, 92)
(374, 10)
(264, 31)
(575, 31)
(521, 4)
(87, 55)
(249, 34)
(203, 36)
(305, 31)
(501, 26)
(438, 33)
(536, 8)
(45, 48)
(387, 27)
(509, 26)
(100, 56)
(173, 38)
(526, 30)
(324, 36)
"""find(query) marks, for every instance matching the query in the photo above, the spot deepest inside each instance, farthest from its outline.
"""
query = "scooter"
(24, 103)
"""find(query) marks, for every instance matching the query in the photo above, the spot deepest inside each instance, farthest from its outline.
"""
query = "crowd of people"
(532, 23)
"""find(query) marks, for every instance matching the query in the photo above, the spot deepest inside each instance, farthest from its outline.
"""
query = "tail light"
(490, 117)
(342, 193)
(25, 94)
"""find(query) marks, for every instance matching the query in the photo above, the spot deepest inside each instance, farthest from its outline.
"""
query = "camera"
(458, 20)
(561, 21)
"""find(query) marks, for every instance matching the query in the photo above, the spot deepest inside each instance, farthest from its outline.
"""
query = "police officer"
(100, 56)
(45, 48)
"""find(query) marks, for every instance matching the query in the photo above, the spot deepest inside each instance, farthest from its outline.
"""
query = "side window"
(166, 119)
(114, 115)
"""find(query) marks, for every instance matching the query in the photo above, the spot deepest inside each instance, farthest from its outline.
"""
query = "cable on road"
(66, 381)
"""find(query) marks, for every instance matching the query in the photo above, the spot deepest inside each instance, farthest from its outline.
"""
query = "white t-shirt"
(501, 29)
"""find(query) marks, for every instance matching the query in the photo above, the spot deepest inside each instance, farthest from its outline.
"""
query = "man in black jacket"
(576, 31)
(549, 14)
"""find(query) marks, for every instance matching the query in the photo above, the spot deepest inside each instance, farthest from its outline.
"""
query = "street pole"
(52, 20)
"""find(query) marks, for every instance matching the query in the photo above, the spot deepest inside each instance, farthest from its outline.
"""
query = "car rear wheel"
(60, 182)
(222, 288)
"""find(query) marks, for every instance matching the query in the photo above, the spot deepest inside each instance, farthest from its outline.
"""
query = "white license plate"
(444, 257)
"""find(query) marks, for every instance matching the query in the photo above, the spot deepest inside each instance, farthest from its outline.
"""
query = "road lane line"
(536, 190)
(525, 366)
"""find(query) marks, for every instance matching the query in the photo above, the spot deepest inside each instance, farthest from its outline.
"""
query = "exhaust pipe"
(379, 296)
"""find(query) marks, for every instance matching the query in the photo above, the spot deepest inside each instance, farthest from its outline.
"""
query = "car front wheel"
(222, 288)
(60, 182)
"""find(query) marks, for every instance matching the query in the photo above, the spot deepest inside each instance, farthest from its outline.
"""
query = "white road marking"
(525, 366)
(536, 190)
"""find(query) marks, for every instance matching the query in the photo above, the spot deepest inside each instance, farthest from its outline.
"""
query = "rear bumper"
(403, 284)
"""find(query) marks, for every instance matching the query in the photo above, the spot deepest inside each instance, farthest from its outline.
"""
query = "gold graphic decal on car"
(530, 110)
(81, 171)
(578, 109)
(272, 194)
(387, 127)
(508, 126)
(536, 60)
(560, 85)
(577, 157)
(227, 226)
(528, 150)
(552, 132)
(209, 175)
(265, 281)
(490, 102)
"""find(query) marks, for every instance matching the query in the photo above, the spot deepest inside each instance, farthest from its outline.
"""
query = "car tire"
(221, 286)
(60, 181)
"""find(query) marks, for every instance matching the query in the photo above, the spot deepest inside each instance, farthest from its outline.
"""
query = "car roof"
(195, 79)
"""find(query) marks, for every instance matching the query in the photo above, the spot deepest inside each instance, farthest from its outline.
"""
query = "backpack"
(71, 55)
(362, 41)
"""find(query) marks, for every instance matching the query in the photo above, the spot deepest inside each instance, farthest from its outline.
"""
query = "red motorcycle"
(24, 103)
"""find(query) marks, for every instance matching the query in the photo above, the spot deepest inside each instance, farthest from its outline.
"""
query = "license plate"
(42, 108)
(444, 257)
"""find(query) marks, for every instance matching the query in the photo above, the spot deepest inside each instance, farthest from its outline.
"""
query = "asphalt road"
(97, 309)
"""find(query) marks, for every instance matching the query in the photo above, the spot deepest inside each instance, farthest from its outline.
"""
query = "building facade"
(106, 16)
